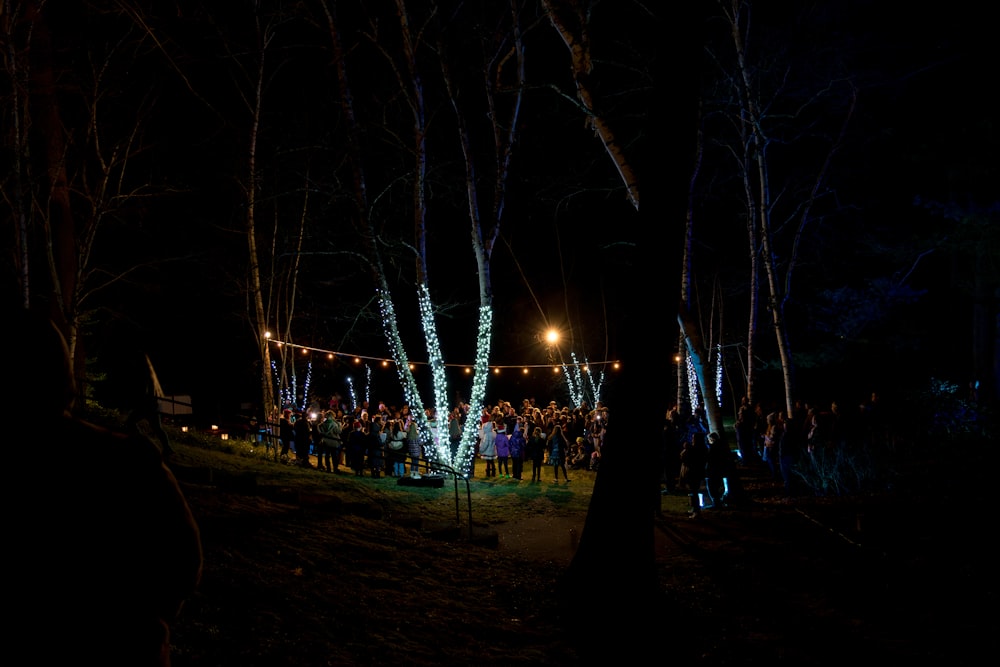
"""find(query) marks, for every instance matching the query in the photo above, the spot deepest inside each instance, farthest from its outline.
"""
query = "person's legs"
(709, 497)
(695, 505)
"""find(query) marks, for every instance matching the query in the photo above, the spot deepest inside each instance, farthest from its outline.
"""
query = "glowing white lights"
(580, 377)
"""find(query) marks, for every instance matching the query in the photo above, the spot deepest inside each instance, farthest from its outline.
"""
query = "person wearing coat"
(502, 443)
(376, 446)
(535, 451)
(329, 454)
(303, 439)
(558, 448)
(286, 433)
(414, 446)
(357, 447)
(694, 457)
(517, 446)
(488, 447)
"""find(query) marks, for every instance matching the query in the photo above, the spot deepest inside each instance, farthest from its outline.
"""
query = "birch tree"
(79, 189)
(422, 52)
(626, 493)
(570, 19)
(763, 119)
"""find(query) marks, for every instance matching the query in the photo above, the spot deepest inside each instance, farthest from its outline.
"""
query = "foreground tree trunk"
(618, 537)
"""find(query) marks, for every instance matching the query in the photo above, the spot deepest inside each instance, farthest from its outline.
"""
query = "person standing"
(694, 457)
(396, 453)
(455, 430)
(376, 446)
(716, 469)
(790, 447)
(413, 444)
(303, 439)
(502, 443)
(286, 433)
(558, 448)
(517, 446)
(329, 430)
(488, 448)
(671, 445)
(535, 451)
(772, 437)
(744, 429)
(357, 444)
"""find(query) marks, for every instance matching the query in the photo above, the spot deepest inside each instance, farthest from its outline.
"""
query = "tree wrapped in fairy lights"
(486, 132)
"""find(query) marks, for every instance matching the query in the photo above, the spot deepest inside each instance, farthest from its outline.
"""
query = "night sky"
(572, 252)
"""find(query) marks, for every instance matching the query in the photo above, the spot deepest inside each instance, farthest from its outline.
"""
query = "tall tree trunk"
(15, 60)
(57, 216)
(269, 404)
(618, 534)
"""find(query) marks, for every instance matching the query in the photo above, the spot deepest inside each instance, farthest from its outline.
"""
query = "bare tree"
(570, 18)
(757, 119)
(417, 43)
(85, 185)
(626, 493)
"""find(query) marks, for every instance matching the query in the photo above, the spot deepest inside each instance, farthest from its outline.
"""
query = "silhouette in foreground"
(103, 549)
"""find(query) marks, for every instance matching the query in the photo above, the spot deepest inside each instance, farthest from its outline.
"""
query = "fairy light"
(574, 380)
(286, 398)
(580, 381)
(718, 373)
(351, 392)
(692, 380)
(440, 450)
(368, 384)
(588, 366)
(466, 448)
(580, 375)
(306, 385)
(389, 325)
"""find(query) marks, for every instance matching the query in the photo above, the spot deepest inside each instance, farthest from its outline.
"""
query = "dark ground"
(304, 568)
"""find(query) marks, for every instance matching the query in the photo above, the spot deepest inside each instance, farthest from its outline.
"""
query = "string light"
(428, 422)
(615, 364)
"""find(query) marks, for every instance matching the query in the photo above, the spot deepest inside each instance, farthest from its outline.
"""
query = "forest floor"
(308, 568)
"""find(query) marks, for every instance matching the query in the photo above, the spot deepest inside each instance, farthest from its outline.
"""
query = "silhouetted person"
(286, 432)
(102, 549)
(303, 439)
(694, 457)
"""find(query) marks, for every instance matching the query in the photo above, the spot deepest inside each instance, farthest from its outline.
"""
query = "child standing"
(502, 443)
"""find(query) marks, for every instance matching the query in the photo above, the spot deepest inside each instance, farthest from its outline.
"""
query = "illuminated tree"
(500, 81)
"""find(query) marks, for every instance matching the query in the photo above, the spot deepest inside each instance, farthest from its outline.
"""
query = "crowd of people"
(513, 440)
(702, 464)
(386, 440)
